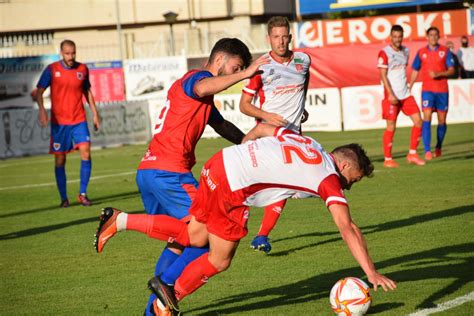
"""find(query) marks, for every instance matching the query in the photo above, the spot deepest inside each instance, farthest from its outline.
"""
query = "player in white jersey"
(392, 63)
(251, 174)
(280, 91)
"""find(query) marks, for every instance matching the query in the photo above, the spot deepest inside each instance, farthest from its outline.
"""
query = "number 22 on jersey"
(308, 154)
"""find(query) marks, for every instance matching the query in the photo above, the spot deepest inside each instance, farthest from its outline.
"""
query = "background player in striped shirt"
(392, 64)
(280, 90)
(69, 81)
(252, 174)
(436, 64)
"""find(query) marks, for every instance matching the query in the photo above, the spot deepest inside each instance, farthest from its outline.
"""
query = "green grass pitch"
(418, 222)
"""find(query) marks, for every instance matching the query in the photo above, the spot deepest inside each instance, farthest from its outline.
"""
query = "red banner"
(354, 65)
(377, 29)
(107, 81)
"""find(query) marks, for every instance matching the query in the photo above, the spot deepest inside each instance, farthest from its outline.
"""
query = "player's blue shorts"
(65, 138)
(165, 192)
(437, 101)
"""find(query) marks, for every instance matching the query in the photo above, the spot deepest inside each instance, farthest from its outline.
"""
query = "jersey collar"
(284, 63)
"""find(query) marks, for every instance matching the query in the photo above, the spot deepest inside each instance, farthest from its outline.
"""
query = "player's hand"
(275, 119)
(254, 67)
(43, 117)
(261, 243)
(305, 116)
(378, 279)
(96, 119)
(433, 74)
(392, 99)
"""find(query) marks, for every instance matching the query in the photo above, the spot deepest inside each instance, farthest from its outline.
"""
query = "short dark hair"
(432, 28)
(396, 28)
(232, 47)
(356, 154)
(67, 42)
(277, 21)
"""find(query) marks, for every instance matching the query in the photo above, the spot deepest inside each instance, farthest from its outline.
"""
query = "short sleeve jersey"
(438, 59)
(271, 169)
(67, 91)
(280, 88)
(395, 61)
(180, 125)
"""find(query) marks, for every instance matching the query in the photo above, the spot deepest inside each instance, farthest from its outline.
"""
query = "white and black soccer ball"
(350, 297)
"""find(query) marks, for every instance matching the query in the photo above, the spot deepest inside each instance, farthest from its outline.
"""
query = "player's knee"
(222, 264)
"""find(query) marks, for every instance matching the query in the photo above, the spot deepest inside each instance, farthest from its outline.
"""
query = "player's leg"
(61, 144)
(271, 214)
(442, 112)
(175, 192)
(427, 107)
(410, 109)
(60, 174)
(198, 272)
(390, 114)
(81, 138)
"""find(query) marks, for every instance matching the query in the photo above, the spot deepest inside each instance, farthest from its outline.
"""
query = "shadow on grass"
(47, 229)
(424, 218)
(99, 200)
(450, 263)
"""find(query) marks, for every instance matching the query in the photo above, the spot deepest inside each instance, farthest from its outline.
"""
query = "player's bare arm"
(441, 74)
(414, 75)
(247, 108)
(95, 114)
(358, 247)
(386, 83)
(42, 115)
(216, 84)
(260, 130)
(229, 131)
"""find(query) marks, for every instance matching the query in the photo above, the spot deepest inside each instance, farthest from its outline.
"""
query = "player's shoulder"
(302, 56)
(443, 48)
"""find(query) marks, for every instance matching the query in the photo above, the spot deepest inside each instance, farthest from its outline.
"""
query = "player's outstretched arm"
(216, 84)
(42, 115)
(414, 75)
(358, 247)
(260, 130)
(228, 130)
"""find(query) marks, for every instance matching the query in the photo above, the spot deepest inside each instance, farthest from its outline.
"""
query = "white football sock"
(121, 222)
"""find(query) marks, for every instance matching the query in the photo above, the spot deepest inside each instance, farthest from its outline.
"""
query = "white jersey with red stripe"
(281, 88)
(272, 169)
(396, 62)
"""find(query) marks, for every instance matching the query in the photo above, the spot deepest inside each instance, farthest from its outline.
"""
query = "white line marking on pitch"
(69, 181)
(446, 305)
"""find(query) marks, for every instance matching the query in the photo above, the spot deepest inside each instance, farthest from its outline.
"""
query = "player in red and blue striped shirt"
(69, 82)
(435, 63)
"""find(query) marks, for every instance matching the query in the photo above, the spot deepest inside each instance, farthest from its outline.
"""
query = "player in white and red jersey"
(280, 90)
(252, 174)
(392, 63)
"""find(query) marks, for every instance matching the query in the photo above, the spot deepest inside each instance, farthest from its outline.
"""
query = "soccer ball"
(350, 296)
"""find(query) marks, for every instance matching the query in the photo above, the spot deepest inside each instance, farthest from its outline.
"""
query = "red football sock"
(160, 227)
(270, 217)
(194, 276)
(387, 143)
(415, 137)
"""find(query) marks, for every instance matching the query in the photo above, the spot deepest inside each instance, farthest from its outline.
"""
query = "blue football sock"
(171, 274)
(86, 166)
(426, 135)
(441, 133)
(60, 173)
(166, 260)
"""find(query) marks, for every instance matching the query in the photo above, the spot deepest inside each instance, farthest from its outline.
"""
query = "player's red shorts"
(407, 106)
(217, 206)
